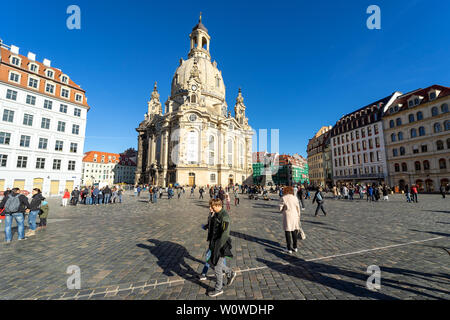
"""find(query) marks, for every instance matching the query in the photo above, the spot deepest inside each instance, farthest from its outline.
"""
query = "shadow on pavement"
(318, 272)
(171, 258)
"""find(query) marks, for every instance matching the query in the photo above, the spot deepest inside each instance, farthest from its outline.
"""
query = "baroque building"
(43, 115)
(417, 137)
(195, 140)
(318, 158)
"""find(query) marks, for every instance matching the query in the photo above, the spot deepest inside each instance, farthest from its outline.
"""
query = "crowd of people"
(92, 196)
(17, 206)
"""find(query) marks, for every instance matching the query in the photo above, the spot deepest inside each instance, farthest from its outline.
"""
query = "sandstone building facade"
(195, 140)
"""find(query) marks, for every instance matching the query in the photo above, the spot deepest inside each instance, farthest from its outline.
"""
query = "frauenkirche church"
(196, 140)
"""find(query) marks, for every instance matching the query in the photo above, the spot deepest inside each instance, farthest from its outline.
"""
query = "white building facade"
(357, 144)
(42, 125)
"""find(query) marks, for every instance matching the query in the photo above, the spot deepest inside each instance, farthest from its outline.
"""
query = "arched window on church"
(193, 98)
(241, 155)
(211, 150)
(230, 152)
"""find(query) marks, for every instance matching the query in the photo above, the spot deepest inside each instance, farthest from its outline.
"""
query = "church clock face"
(192, 117)
(194, 87)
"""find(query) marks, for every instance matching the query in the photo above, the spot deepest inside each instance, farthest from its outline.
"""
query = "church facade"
(195, 140)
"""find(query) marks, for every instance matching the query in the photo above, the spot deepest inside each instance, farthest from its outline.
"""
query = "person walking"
(228, 200)
(442, 190)
(34, 207)
(300, 195)
(319, 198)
(290, 208)
(192, 192)
(15, 205)
(385, 193)
(414, 192)
(150, 194)
(201, 192)
(43, 214)
(236, 197)
(139, 189)
(65, 198)
(408, 193)
(220, 246)
(179, 192)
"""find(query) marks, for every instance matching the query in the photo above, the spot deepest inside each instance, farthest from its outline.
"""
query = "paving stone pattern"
(139, 250)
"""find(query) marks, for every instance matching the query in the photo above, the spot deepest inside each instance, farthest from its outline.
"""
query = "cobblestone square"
(139, 250)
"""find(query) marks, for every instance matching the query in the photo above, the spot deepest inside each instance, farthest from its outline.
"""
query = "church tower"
(154, 105)
(199, 41)
(239, 109)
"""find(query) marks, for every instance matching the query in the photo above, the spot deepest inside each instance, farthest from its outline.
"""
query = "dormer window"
(396, 108)
(65, 79)
(34, 67)
(15, 61)
(78, 98)
(416, 101)
(432, 95)
(410, 103)
(50, 73)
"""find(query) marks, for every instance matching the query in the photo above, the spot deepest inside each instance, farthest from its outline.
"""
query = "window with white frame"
(79, 97)
(31, 100)
(73, 147)
(25, 141)
(61, 126)
(5, 138)
(45, 123)
(50, 88)
(75, 129)
(71, 166)
(40, 163)
(77, 112)
(65, 93)
(43, 142)
(64, 78)
(28, 119)
(56, 164)
(50, 73)
(8, 115)
(22, 162)
(63, 108)
(59, 145)
(48, 104)
(3, 160)
(33, 83)
(15, 61)
(14, 77)
(34, 67)
(11, 94)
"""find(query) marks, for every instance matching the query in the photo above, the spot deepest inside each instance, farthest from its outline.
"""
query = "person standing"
(319, 198)
(414, 192)
(100, 196)
(15, 205)
(385, 193)
(95, 193)
(179, 192)
(43, 214)
(75, 196)
(192, 191)
(228, 200)
(290, 208)
(119, 194)
(150, 194)
(106, 194)
(220, 245)
(236, 197)
(65, 198)
(34, 207)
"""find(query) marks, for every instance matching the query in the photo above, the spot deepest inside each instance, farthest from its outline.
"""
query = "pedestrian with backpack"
(319, 198)
(35, 207)
(15, 205)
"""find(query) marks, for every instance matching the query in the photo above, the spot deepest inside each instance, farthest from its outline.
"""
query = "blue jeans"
(206, 267)
(20, 223)
(32, 219)
(100, 200)
(155, 198)
(107, 197)
(120, 198)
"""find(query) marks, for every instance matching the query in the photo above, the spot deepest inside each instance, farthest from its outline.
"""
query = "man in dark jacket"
(300, 194)
(319, 198)
(15, 205)
(442, 190)
(75, 195)
(107, 194)
(220, 245)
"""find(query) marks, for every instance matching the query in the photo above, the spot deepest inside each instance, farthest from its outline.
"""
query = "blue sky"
(301, 64)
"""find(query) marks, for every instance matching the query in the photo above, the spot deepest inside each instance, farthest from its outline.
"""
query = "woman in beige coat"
(291, 217)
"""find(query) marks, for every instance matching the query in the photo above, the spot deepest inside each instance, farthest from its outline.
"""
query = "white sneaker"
(295, 250)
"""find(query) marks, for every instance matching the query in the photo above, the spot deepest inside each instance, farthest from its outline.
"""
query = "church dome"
(210, 77)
